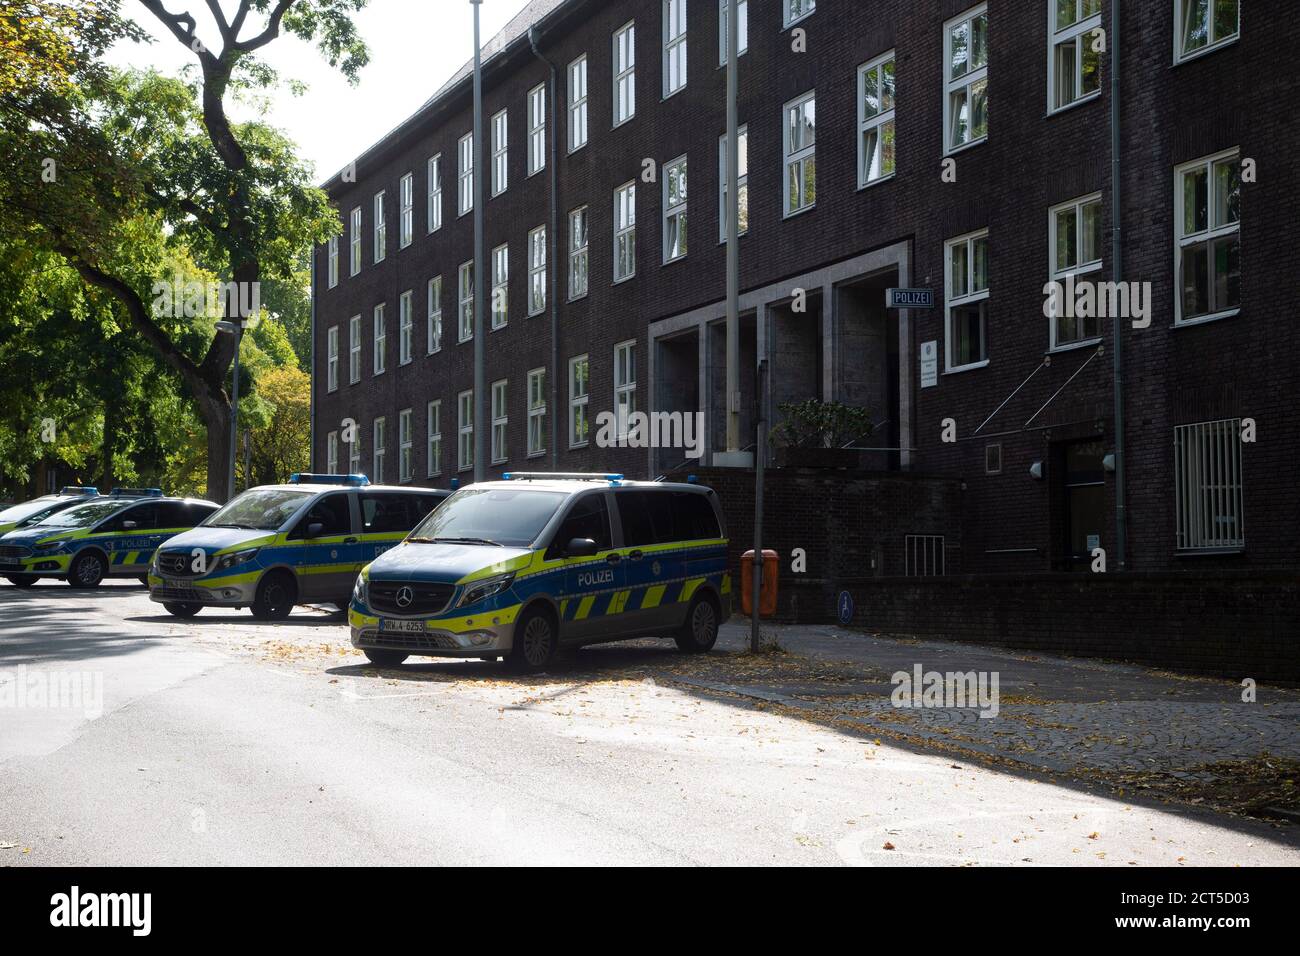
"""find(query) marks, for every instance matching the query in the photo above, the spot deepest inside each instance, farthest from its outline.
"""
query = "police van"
(30, 512)
(522, 567)
(111, 535)
(279, 545)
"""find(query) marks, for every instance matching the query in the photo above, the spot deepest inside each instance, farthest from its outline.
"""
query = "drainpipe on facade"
(479, 407)
(553, 294)
(1117, 272)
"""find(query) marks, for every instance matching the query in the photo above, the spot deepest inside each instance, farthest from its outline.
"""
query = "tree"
(282, 446)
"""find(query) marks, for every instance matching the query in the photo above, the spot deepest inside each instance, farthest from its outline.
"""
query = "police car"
(31, 512)
(279, 545)
(522, 567)
(106, 536)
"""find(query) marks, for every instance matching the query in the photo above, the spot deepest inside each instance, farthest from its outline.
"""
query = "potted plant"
(817, 434)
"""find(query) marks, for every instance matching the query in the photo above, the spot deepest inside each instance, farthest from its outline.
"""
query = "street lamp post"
(236, 329)
(480, 375)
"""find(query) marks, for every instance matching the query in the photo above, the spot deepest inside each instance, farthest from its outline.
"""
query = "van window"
(588, 518)
(647, 517)
(694, 517)
(174, 514)
(332, 511)
(145, 517)
(393, 511)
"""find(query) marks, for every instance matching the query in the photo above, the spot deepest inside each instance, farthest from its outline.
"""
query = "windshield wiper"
(495, 544)
(241, 527)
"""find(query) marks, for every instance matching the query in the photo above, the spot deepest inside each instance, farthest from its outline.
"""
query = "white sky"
(415, 45)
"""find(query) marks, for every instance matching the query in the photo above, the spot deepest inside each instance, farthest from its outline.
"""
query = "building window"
(742, 182)
(876, 144)
(500, 153)
(742, 38)
(333, 258)
(1207, 223)
(800, 154)
(624, 385)
(966, 81)
(354, 242)
(381, 341)
(537, 271)
(578, 103)
(675, 210)
(1074, 240)
(405, 445)
(537, 129)
(578, 253)
(500, 421)
(354, 453)
(381, 228)
(405, 327)
(332, 363)
(500, 286)
(966, 267)
(434, 425)
(796, 10)
(625, 232)
(435, 193)
(332, 453)
(466, 301)
(624, 74)
(465, 188)
(377, 456)
(536, 412)
(674, 46)
(1208, 486)
(993, 459)
(578, 398)
(354, 350)
(923, 555)
(1202, 25)
(406, 225)
(465, 430)
(1073, 58)
(434, 329)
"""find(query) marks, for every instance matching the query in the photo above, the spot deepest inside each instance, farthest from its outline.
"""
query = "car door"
(126, 538)
(590, 597)
(325, 562)
(652, 560)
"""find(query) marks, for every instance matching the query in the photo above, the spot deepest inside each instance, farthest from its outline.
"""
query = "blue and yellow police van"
(276, 546)
(106, 536)
(37, 509)
(523, 567)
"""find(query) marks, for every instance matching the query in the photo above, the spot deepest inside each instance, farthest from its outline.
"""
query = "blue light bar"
(307, 478)
(559, 476)
(78, 490)
(137, 492)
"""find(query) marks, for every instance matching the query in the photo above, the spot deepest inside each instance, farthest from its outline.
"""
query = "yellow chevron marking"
(726, 584)
(653, 596)
(689, 588)
(564, 607)
(618, 602)
(585, 607)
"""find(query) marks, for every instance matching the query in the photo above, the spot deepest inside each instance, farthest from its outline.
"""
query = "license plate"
(403, 627)
(176, 583)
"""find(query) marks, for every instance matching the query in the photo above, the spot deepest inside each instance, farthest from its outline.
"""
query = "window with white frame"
(674, 46)
(966, 272)
(675, 209)
(966, 79)
(537, 271)
(500, 153)
(332, 453)
(500, 422)
(1201, 25)
(332, 363)
(876, 145)
(625, 231)
(742, 36)
(354, 350)
(381, 341)
(624, 73)
(578, 103)
(466, 294)
(795, 10)
(1074, 51)
(406, 222)
(742, 182)
(1208, 486)
(354, 241)
(465, 430)
(354, 452)
(434, 211)
(537, 128)
(578, 253)
(381, 228)
(1207, 224)
(578, 399)
(624, 385)
(405, 445)
(405, 327)
(433, 425)
(1074, 240)
(465, 184)
(433, 331)
(333, 260)
(500, 285)
(377, 455)
(800, 154)
(536, 412)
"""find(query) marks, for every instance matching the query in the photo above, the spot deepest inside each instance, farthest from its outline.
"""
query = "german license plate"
(402, 627)
(177, 583)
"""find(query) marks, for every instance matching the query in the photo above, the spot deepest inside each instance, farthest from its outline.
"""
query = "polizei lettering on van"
(589, 579)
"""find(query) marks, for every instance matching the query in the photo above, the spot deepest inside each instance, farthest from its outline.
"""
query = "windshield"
(83, 516)
(36, 508)
(261, 509)
(507, 516)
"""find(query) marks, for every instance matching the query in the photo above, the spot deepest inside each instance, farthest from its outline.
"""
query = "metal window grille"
(1207, 485)
(924, 555)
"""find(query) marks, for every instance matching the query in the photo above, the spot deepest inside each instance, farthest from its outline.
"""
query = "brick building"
(850, 114)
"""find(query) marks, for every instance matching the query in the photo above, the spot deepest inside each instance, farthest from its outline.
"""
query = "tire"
(700, 632)
(385, 658)
(536, 640)
(23, 580)
(87, 571)
(181, 608)
(276, 595)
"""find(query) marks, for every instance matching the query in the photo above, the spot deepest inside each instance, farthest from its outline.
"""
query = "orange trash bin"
(767, 592)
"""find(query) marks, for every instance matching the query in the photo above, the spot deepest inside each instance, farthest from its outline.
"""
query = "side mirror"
(129, 526)
(580, 548)
(315, 529)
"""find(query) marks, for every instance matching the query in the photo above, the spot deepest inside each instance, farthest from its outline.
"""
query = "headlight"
(49, 547)
(234, 558)
(360, 590)
(482, 590)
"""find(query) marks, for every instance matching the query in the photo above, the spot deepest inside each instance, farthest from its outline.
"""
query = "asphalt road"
(222, 740)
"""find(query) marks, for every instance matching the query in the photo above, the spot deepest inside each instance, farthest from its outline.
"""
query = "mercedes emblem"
(405, 596)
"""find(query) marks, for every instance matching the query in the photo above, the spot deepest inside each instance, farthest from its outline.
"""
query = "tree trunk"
(214, 409)
(109, 443)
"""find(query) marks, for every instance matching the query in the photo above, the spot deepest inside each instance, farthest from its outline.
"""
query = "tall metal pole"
(1117, 271)
(733, 234)
(480, 297)
(760, 428)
